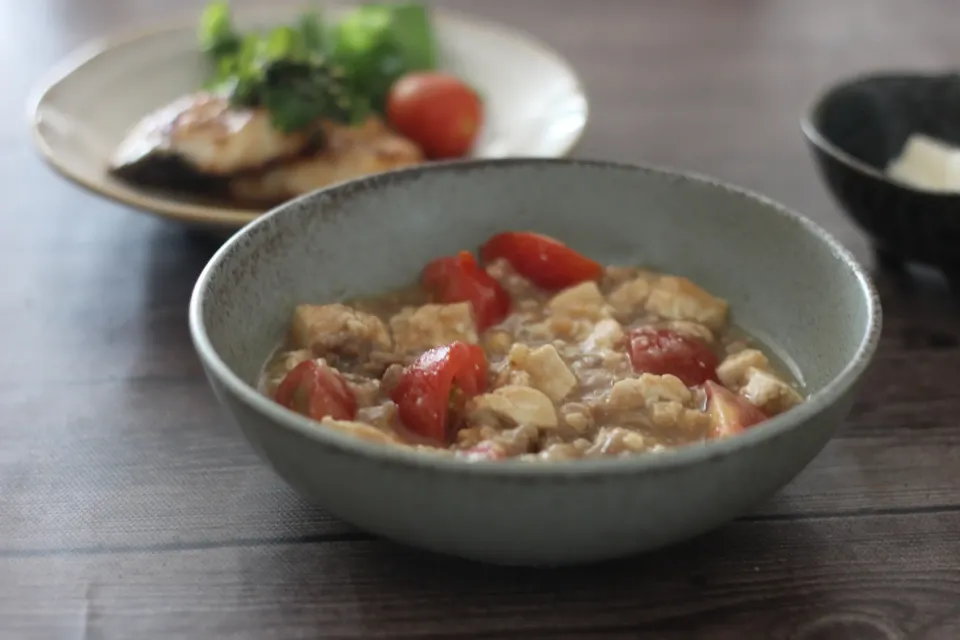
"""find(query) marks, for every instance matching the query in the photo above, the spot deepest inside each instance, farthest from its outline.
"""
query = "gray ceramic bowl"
(784, 276)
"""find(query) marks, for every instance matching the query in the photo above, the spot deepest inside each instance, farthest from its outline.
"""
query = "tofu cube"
(583, 300)
(515, 405)
(433, 325)
(339, 329)
(733, 370)
(546, 370)
(769, 393)
(675, 298)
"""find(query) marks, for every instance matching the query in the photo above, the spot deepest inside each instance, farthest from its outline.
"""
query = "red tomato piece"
(317, 391)
(460, 279)
(441, 379)
(436, 110)
(662, 351)
(546, 262)
(729, 413)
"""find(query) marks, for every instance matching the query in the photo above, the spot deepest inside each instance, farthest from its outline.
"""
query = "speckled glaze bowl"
(854, 130)
(786, 279)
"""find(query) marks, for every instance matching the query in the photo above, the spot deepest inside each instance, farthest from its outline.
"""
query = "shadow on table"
(177, 256)
(174, 258)
(764, 578)
(920, 309)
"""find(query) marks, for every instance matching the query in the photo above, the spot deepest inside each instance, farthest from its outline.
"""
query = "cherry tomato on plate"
(662, 351)
(436, 110)
(729, 413)
(317, 391)
(441, 379)
(459, 279)
(546, 262)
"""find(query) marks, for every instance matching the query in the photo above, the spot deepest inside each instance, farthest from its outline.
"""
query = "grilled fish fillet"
(200, 143)
(347, 152)
(204, 134)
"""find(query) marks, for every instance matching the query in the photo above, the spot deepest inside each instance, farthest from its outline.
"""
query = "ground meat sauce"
(629, 362)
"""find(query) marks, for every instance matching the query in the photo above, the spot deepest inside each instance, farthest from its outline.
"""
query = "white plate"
(535, 104)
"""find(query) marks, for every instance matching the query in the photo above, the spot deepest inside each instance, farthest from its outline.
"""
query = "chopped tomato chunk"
(662, 351)
(729, 413)
(460, 279)
(440, 380)
(546, 262)
(317, 391)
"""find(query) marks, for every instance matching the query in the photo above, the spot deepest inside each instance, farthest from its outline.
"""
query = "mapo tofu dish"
(532, 351)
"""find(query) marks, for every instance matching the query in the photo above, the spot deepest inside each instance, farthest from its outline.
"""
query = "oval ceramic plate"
(535, 105)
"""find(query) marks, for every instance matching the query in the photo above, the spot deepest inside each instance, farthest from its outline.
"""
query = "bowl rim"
(226, 216)
(662, 461)
(814, 136)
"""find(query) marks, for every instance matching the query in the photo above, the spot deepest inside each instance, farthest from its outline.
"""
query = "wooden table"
(130, 507)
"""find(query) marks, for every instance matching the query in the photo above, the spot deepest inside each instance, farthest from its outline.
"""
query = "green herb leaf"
(413, 34)
(285, 43)
(298, 93)
(378, 43)
(363, 29)
(312, 32)
(304, 71)
(218, 39)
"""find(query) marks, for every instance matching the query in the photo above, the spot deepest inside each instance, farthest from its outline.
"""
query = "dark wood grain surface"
(131, 508)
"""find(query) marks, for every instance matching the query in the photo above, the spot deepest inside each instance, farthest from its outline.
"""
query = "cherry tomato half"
(459, 279)
(317, 391)
(440, 379)
(436, 110)
(546, 262)
(662, 351)
(729, 413)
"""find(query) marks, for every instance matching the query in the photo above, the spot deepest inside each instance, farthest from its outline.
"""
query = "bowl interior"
(871, 118)
(787, 282)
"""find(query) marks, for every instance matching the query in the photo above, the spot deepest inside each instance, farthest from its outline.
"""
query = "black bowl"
(856, 128)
